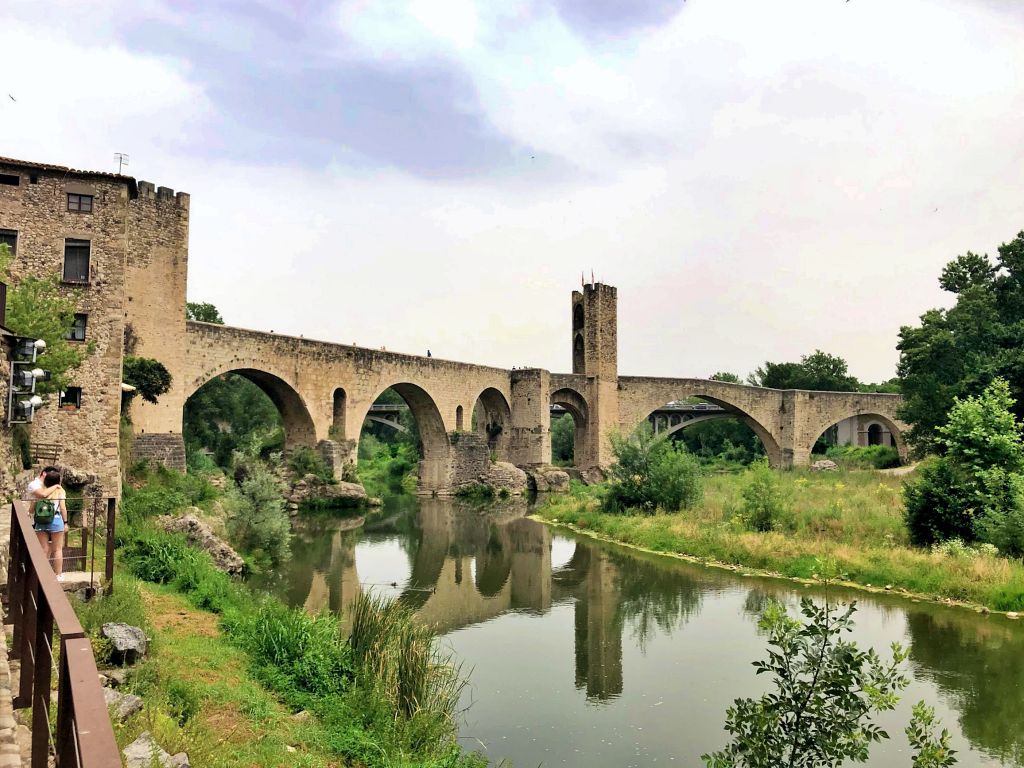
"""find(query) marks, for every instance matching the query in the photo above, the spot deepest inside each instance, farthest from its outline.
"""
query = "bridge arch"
(576, 405)
(492, 417)
(866, 429)
(771, 445)
(434, 443)
(299, 429)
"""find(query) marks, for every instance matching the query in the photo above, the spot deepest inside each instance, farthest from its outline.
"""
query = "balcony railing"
(80, 735)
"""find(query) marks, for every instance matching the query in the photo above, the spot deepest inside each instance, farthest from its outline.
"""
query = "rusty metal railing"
(80, 735)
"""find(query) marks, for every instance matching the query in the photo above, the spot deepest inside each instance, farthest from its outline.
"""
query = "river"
(581, 653)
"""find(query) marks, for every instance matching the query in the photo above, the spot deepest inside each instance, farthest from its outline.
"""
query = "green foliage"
(825, 693)
(386, 468)
(307, 461)
(730, 378)
(930, 751)
(816, 371)
(293, 651)
(123, 604)
(149, 377)
(955, 353)
(22, 443)
(203, 312)
(183, 701)
(651, 474)
(43, 308)
(725, 441)
(257, 520)
(864, 456)
(763, 500)
(163, 491)
(563, 438)
(399, 658)
(976, 489)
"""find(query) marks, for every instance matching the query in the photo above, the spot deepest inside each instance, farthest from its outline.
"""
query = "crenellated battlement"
(149, 191)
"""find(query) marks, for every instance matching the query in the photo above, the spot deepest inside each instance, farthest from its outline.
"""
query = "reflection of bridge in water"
(465, 567)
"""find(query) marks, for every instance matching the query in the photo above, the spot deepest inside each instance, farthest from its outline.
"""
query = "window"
(77, 332)
(71, 399)
(80, 203)
(10, 179)
(9, 237)
(76, 261)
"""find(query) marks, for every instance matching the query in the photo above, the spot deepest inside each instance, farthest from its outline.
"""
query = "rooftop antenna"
(122, 161)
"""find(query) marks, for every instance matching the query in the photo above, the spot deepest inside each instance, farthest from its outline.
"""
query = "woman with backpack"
(48, 516)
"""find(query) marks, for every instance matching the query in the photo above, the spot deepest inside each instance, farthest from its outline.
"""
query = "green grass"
(852, 519)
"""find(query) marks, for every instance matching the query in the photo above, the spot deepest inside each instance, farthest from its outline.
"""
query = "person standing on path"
(51, 537)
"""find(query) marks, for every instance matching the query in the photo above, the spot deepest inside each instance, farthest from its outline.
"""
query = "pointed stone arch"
(492, 418)
(576, 404)
(299, 429)
(435, 445)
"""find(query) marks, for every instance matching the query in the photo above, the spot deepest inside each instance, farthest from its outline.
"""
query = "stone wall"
(37, 209)
(156, 276)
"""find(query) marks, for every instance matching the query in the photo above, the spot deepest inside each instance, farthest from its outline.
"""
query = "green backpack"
(44, 512)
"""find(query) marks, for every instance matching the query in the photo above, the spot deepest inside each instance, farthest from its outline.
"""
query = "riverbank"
(236, 678)
(847, 522)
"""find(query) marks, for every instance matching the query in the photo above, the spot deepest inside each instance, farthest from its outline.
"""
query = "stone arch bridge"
(325, 391)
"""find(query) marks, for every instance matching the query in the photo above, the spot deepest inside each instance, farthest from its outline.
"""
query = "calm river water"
(587, 654)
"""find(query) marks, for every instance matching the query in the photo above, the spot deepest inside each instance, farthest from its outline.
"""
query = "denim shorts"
(56, 526)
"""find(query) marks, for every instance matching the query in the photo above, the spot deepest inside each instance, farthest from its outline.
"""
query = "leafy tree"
(227, 413)
(975, 490)
(892, 387)
(725, 376)
(203, 312)
(957, 352)
(149, 377)
(41, 308)
(563, 439)
(651, 474)
(825, 693)
(817, 371)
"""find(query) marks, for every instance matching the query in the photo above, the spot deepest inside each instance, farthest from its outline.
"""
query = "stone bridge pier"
(467, 415)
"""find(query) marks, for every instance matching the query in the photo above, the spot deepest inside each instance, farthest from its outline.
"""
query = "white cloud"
(759, 179)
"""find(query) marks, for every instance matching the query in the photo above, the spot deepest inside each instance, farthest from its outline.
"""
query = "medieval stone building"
(115, 244)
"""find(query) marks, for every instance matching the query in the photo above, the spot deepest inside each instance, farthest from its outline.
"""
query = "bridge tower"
(595, 356)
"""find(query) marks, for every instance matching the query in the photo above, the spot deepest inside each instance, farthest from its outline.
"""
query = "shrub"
(826, 694)
(306, 461)
(158, 556)
(399, 659)
(149, 377)
(763, 500)
(651, 474)
(864, 456)
(975, 490)
(936, 506)
(256, 517)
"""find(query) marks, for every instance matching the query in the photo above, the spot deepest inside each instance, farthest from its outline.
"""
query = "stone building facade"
(103, 235)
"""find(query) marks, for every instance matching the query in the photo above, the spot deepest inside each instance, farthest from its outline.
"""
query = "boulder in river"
(199, 535)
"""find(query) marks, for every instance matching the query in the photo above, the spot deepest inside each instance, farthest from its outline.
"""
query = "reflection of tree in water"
(653, 597)
(979, 664)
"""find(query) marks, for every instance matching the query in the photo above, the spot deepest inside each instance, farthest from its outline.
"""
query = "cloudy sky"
(759, 178)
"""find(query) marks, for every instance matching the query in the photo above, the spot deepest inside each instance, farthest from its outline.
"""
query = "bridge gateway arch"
(325, 391)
